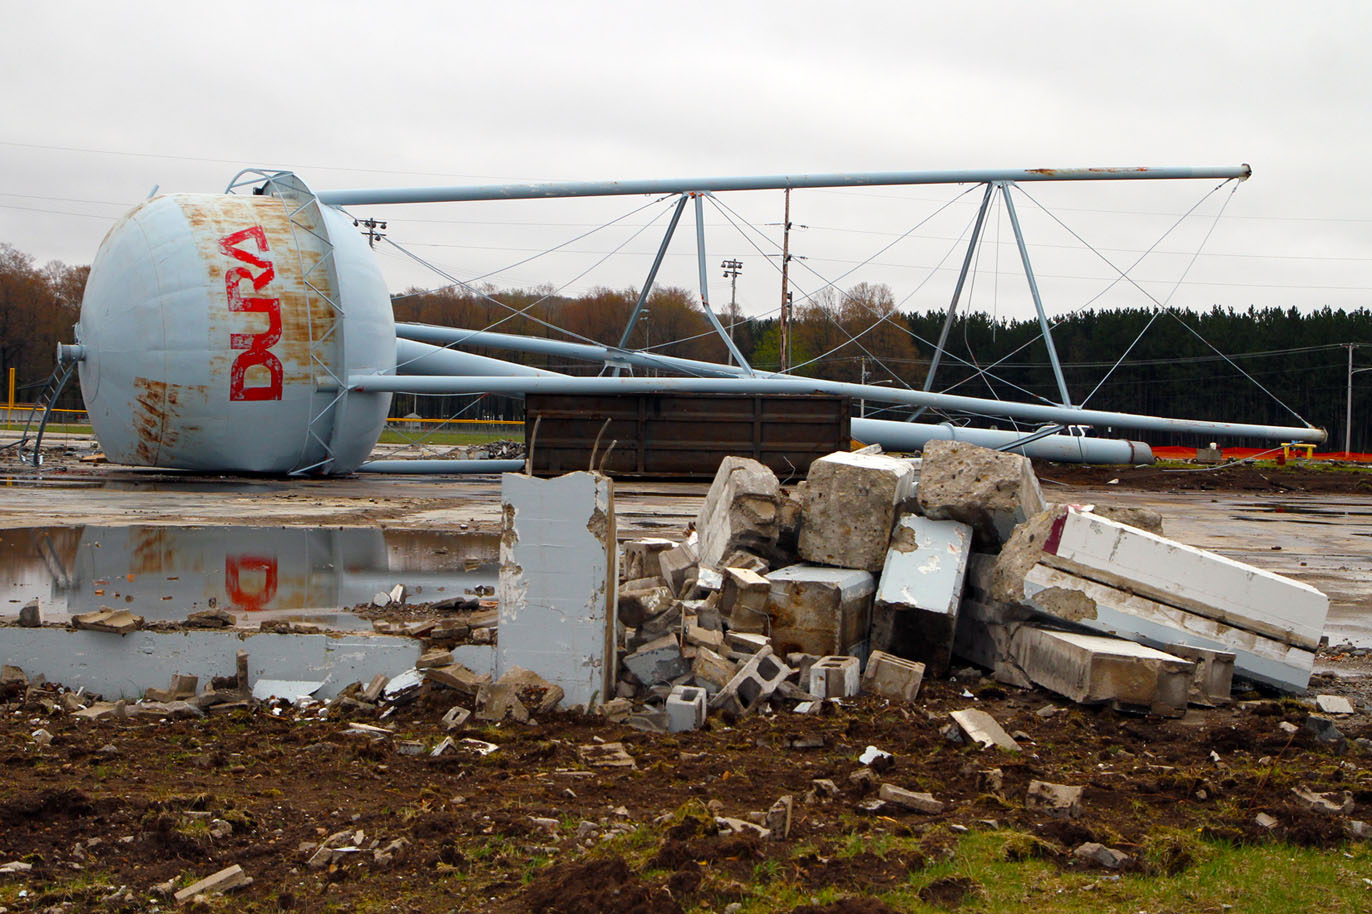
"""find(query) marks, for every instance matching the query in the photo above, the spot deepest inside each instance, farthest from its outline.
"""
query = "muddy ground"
(112, 812)
(1312, 477)
(110, 809)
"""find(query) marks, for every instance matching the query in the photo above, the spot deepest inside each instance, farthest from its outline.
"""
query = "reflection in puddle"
(256, 573)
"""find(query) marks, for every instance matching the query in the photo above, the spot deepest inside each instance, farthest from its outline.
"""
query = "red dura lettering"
(256, 600)
(256, 345)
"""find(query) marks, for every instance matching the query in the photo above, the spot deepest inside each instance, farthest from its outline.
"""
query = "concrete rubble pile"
(876, 571)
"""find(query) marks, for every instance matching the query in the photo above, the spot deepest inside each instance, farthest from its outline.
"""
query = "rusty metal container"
(683, 436)
(211, 325)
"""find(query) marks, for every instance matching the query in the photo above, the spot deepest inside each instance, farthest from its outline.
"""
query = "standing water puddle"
(307, 574)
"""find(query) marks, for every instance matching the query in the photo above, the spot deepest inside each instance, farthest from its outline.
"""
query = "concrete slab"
(848, 507)
(1112, 611)
(917, 599)
(558, 581)
(1093, 669)
(819, 610)
(1206, 583)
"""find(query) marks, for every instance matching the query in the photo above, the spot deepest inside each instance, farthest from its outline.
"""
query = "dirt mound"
(46, 804)
(592, 888)
(855, 905)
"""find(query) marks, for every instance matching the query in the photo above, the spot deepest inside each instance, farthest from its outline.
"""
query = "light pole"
(731, 270)
(1348, 413)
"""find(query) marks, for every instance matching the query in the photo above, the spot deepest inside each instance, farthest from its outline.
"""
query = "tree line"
(1282, 363)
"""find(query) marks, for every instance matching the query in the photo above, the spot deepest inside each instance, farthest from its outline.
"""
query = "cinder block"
(992, 490)
(753, 684)
(675, 566)
(743, 600)
(685, 708)
(892, 676)
(1092, 669)
(641, 557)
(917, 599)
(849, 506)
(818, 610)
(835, 677)
(739, 511)
(1214, 678)
(558, 582)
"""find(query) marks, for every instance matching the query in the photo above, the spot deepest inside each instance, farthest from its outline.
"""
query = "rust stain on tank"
(149, 417)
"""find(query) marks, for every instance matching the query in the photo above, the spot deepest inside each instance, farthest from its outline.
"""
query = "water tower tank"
(214, 328)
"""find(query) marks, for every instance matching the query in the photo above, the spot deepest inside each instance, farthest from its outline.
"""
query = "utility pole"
(732, 268)
(1348, 415)
(371, 232)
(785, 347)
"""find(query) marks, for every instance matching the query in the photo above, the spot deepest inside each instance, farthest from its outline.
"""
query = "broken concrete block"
(499, 700)
(892, 677)
(778, 818)
(1333, 803)
(606, 755)
(641, 557)
(31, 615)
(712, 671)
(183, 686)
(909, 799)
(1143, 518)
(1099, 854)
(685, 708)
(849, 506)
(1059, 801)
(637, 605)
(755, 681)
(455, 676)
(117, 621)
(1116, 611)
(456, 718)
(657, 661)
(982, 728)
(397, 593)
(228, 878)
(434, 656)
(993, 491)
(11, 675)
(984, 633)
(835, 677)
(916, 610)
(536, 693)
(1264, 821)
(739, 512)
(819, 610)
(676, 565)
(558, 580)
(741, 558)
(743, 600)
(704, 637)
(1092, 669)
(1333, 704)
(616, 710)
(381, 599)
(1214, 677)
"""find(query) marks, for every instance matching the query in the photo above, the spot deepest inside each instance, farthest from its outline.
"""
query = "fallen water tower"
(217, 330)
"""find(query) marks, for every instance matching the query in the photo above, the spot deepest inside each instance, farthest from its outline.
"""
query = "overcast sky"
(104, 101)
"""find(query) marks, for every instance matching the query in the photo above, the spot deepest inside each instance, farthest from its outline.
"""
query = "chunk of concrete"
(116, 621)
(1333, 704)
(634, 605)
(753, 684)
(892, 677)
(1214, 678)
(1211, 585)
(1116, 611)
(676, 566)
(982, 728)
(454, 676)
(712, 671)
(819, 610)
(658, 661)
(743, 600)
(1093, 669)
(1099, 854)
(31, 615)
(993, 491)
(1333, 803)
(848, 507)
(641, 557)
(1059, 801)
(835, 677)
(916, 609)
(536, 693)
(231, 877)
(685, 708)
(558, 580)
(909, 799)
(739, 512)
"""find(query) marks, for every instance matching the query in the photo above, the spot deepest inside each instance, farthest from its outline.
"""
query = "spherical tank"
(217, 329)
